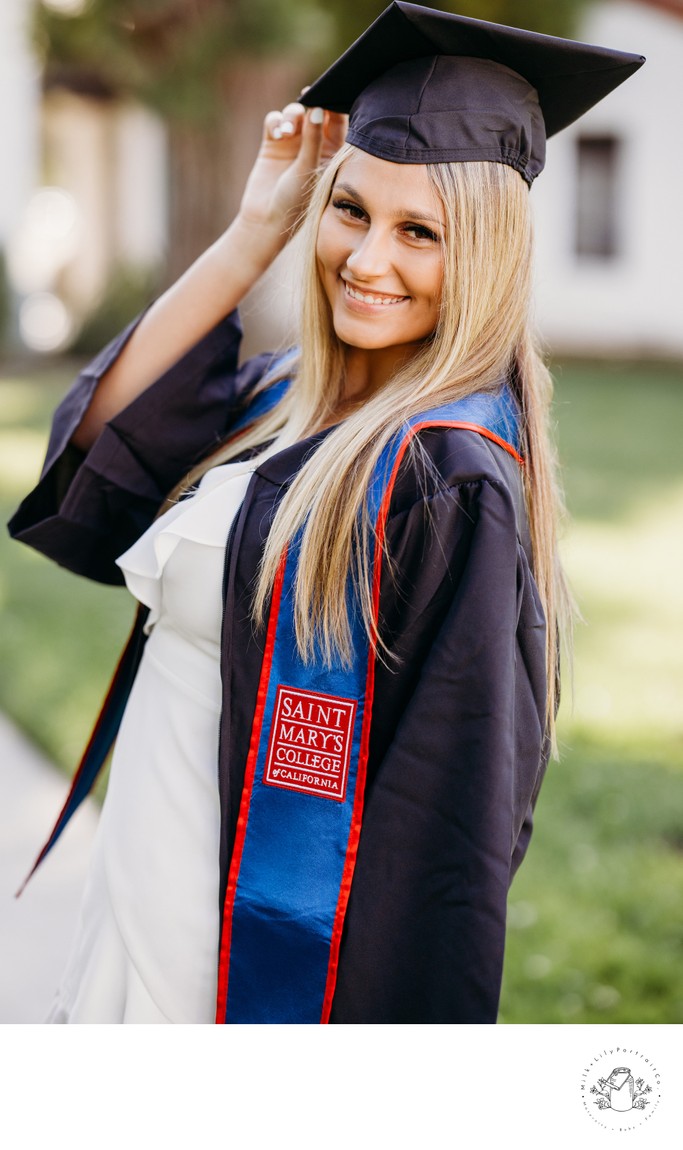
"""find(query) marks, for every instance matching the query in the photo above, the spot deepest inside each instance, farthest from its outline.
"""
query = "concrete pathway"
(36, 929)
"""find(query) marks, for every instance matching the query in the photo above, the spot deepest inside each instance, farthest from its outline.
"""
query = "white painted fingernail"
(276, 134)
(287, 129)
(317, 116)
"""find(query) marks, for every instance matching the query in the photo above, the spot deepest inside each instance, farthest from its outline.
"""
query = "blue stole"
(301, 810)
(302, 803)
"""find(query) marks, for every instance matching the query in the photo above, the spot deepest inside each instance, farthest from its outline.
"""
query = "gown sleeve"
(88, 508)
(460, 751)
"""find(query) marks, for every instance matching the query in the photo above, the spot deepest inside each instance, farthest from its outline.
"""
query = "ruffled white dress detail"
(146, 944)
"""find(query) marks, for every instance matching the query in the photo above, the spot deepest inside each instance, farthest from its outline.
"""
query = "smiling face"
(380, 254)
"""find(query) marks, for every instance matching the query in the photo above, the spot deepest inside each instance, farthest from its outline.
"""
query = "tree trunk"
(197, 200)
(208, 165)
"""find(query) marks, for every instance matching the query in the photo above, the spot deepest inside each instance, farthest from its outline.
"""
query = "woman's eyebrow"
(401, 214)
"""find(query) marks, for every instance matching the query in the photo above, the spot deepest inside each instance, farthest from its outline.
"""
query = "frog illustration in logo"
(620, 1091)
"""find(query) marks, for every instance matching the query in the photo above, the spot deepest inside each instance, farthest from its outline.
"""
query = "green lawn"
(596, 910)
(596, 929)
(59, 634)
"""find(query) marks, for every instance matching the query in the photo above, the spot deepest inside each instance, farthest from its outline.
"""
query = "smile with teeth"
(366, 297)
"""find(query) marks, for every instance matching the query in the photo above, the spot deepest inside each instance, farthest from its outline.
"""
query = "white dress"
(146, 944)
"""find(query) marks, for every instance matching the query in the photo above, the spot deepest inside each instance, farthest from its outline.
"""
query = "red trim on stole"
(357, 815)
(359, 794)
(471, 427)
(243, 817)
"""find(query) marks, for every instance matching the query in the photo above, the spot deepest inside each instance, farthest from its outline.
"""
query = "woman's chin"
(373, 335)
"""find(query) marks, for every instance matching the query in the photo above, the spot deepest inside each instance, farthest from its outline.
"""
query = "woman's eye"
(347, 207)
(415, 231)
(419, 232)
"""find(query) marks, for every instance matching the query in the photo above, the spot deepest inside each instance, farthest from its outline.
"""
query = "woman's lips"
(372, 299)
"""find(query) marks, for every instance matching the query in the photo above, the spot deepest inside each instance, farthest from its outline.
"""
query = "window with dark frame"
(597, 225)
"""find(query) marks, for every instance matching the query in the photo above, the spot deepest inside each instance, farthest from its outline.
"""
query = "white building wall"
(78, 159)
(141, 175)
(19, 115)
(632, 303)
(108, 162)
(112, 159)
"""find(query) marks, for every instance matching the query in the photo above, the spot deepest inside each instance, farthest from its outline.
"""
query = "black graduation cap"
(424, 86)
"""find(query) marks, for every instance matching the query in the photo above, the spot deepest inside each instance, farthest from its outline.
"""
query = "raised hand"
(296, 143)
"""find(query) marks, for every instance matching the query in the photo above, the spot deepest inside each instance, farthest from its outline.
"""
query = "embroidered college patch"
(310, 743)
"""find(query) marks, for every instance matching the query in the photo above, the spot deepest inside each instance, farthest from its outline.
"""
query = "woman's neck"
(368, 369)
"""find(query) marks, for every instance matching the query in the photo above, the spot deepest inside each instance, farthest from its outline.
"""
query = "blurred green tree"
(182, 58)
(556, 19)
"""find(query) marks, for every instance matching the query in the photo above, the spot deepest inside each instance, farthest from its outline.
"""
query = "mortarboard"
(424, 86)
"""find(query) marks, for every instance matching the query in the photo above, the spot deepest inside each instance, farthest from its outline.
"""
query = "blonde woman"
(340, 692)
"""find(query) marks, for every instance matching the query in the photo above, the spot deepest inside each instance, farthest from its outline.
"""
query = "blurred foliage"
(178, 57)
(173, 55)
(129, 290)
(557, 18)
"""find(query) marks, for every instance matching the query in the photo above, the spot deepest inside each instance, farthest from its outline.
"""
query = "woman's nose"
(370, 258)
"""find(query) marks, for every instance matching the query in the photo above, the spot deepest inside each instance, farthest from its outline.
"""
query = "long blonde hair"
(483, 333)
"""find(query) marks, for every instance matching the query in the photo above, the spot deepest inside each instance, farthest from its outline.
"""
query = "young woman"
(345, 667)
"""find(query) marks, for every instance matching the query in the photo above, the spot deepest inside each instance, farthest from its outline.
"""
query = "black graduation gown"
(457, 746)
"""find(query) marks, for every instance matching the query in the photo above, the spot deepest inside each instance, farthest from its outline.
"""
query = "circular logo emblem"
(620, 1088)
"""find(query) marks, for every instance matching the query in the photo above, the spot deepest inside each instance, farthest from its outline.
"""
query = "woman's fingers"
(292, 119)
(296, 143)
(312, 136)
(323, 134)
(319, 133)
(271, 125)
(285, 124)
(302, 129)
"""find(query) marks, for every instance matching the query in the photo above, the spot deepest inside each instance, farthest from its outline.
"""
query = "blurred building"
(19, 115)
(19, 119)
(609, 222)
(111, 159)
(88, 193)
